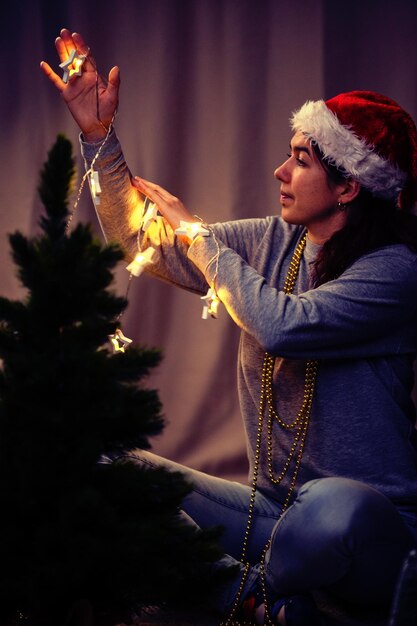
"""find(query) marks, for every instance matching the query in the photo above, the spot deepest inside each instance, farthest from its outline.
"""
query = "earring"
(341, 206)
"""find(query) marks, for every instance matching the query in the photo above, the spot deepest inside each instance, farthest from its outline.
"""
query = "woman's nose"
(282, 172)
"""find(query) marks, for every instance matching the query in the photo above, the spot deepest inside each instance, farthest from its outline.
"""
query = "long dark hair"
(371, 223)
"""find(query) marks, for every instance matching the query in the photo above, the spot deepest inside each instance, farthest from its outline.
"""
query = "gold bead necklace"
(299, 424)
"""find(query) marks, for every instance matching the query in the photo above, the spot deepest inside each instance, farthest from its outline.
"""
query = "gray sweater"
(361, 327)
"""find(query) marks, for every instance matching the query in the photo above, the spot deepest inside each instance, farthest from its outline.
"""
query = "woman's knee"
(337, 530)
(350, 510)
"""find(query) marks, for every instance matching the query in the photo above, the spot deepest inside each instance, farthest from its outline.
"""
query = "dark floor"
(331, 616)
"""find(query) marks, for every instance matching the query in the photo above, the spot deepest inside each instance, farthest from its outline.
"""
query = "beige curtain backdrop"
(207, 90)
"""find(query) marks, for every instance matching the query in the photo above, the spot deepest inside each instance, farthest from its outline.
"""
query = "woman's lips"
(284, 196)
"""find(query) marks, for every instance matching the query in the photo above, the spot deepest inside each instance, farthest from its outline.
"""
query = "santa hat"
(368, 137)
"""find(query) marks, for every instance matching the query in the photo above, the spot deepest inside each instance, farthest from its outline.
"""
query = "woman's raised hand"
(91, 100)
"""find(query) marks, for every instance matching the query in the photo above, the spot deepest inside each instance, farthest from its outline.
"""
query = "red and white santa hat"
(367, 136)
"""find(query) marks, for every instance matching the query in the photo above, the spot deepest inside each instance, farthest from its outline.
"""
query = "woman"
(325, 299)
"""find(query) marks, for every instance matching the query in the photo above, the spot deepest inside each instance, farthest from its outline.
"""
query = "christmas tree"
(74, 527)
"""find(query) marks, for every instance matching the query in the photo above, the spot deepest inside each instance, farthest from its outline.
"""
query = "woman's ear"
(349, 191)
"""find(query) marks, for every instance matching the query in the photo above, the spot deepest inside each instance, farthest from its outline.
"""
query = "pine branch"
(56, 179)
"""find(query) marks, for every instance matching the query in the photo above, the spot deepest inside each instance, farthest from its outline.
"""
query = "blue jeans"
(339, 535)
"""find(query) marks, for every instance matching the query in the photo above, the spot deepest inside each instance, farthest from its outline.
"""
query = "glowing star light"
(73, 65)
(211, 305)
(192, 229)
(149, 216)
(141, 260)
(95, 187)
(119, 341)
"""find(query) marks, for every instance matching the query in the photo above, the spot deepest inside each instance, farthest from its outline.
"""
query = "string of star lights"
(211, 299)
(72, 68)
(192, 230)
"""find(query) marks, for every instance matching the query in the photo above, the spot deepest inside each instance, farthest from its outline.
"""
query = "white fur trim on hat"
(349, 153)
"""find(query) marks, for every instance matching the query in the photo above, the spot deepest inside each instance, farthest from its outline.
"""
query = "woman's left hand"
(168, 205)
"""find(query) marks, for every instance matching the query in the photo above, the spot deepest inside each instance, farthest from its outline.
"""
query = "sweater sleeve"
(370, 310)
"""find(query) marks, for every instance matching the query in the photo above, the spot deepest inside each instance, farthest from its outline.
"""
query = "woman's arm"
(368, 311)
(93, 102)
(120, 213)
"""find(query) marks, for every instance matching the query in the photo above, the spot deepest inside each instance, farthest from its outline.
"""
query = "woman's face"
(306, 196)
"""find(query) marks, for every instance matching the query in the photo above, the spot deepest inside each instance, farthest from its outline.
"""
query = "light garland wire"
(88, 173)
(150, 212)
(118, 340)
(104, 141)
(211, 298)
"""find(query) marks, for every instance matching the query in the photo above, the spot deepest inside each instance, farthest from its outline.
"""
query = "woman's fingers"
(79, 43)
(53, 77)
(114, 77)
(64, 44)
(155, 192)
(171, 207)
(145, 186)
(67, 42)
(154, 187)
(61, 49)
(83, 48)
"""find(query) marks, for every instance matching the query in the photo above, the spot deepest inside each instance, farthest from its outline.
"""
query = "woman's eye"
(298, 159)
